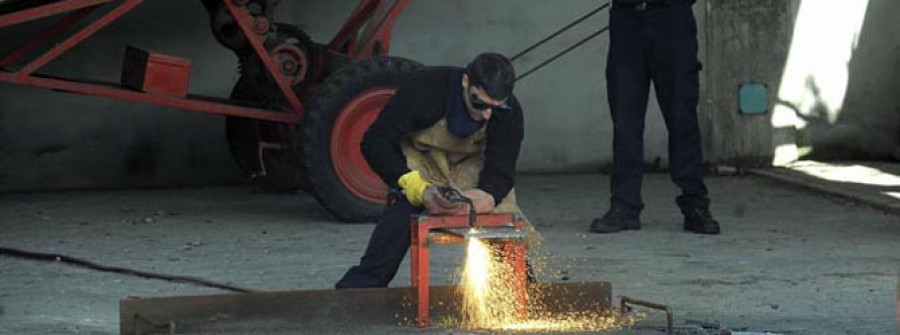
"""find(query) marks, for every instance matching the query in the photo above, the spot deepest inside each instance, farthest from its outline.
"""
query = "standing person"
(447, 126)
(654, 41)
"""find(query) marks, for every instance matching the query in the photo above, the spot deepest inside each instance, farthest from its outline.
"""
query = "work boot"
(615, 220)
(700, 221)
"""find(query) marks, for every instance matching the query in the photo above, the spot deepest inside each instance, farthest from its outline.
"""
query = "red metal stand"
(422, 236)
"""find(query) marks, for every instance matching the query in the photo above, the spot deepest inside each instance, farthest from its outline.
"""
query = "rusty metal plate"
(356, 311)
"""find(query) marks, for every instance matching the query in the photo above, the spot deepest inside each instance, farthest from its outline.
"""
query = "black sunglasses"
(479, 104)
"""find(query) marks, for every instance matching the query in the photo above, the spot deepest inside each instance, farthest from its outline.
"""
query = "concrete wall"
(59, 140)
(56, 140)
(568, 127)
(867, 126)
(832, 72)
(747, 42)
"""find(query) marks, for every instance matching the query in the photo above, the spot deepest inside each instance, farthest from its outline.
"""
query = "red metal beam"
(48, 34)
(379, 29)
(245, 22)
(348, 34)
(114, 91)
(47, 10)
(81, 35)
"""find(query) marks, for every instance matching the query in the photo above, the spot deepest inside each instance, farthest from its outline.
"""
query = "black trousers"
(387, 247)
(657, 45)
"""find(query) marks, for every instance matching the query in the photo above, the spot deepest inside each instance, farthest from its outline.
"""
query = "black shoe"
(615, 220)
(700, 221)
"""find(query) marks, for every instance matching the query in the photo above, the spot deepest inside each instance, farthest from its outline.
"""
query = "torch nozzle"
(454, 195)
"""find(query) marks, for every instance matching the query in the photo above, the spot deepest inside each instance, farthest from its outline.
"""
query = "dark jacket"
(419, 104)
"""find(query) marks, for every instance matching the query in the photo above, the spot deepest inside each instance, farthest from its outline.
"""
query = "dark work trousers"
(658, 45)
(387, 247)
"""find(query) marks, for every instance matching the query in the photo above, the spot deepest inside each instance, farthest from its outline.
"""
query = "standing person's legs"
(387, 247)
(628, 85)
(675, 72)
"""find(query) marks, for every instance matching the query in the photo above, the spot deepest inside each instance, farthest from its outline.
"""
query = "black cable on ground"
(567, 27)
(11, 252)
(548, 61)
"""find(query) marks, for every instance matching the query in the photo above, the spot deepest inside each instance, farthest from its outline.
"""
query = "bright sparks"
(488, 287)
(489, 299)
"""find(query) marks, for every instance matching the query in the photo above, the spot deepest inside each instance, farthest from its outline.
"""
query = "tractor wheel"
(269, 152)
(341, 109)
(280, 169)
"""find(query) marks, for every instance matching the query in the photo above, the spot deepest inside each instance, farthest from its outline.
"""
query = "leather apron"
(445, 159)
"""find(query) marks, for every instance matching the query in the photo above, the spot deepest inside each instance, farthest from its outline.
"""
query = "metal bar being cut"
(352, 311)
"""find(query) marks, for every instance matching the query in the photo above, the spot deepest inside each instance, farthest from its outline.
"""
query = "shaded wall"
(868, 125)
(57, 140)
(747, 42)
(568, 127)
(832, 75)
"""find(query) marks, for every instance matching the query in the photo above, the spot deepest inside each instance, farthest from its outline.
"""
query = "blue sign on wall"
(753, 99)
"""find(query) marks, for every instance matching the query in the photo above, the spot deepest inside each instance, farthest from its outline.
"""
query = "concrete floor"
(789, 261)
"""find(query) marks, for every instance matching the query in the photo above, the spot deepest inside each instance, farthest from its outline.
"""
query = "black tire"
(284, 168)
(328, 101)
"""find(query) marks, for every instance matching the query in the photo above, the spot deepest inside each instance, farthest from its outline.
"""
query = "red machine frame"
(378, 16)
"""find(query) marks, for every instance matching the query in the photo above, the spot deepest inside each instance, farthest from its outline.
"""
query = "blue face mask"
(459, 122)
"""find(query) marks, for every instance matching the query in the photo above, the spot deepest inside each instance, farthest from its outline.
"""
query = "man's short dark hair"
(493, 73)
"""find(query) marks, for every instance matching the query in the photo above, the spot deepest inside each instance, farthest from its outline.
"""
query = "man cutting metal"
(445, 127)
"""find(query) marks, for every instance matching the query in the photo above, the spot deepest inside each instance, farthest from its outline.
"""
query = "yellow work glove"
(414, 186)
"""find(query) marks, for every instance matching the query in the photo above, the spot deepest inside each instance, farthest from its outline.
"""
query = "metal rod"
(583, 41)
(348, 32)
(46, 10)
(110, 91)
(105, 268)
(380, 31)
(78, 37)
(623, 309)
(553, 35)
(45, 36)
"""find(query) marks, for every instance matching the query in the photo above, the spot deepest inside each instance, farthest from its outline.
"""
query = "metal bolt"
(261, 26)
(289, 66)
